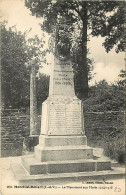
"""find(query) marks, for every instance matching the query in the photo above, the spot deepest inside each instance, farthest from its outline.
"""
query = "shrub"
(105, 97)
(115, 149)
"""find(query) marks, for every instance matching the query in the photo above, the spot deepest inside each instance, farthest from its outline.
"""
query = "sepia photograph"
(62, 95)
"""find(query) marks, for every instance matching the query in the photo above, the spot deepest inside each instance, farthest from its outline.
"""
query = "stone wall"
(15, 129)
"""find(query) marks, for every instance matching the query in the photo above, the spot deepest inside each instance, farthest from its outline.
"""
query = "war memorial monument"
(62, 152)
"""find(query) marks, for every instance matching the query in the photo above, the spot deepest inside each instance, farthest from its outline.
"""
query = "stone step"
(45, 179)
(63, 153)
(51, 141)
(35, 167)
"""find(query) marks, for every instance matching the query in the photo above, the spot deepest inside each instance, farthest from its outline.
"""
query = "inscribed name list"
(62, 82)
(65, 117)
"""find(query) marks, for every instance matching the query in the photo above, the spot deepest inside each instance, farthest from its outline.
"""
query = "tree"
(35, 51)
(16, 53)
(122, 80)
(14, 74)
(101, 18)
(112, 27)
(105, 97)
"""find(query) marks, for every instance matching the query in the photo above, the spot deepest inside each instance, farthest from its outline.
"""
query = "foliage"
(35, 52)
(122, 81)
(115, 148)
(105, 97)
(108, 21)
(15, 76)
(42, 83)
(16, 52)
(101, 18)
(104, 18)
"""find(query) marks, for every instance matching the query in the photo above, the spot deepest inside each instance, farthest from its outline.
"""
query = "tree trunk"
(84, 68)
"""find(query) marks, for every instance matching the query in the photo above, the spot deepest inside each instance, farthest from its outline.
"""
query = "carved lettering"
(65, 116)
(58, 83)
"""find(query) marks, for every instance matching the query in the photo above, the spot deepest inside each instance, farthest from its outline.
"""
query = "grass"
(115, 149)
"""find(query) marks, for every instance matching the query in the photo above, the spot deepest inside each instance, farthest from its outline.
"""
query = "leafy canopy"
(16, 52)
(105, 18)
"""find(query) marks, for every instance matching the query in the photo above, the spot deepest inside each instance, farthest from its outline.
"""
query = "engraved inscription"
(73, 116)
(57, 116)
(63, 82)
(63, 79)
(65, 118)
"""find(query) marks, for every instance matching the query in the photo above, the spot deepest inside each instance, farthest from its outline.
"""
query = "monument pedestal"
(62, 115)
(62, 154)
(62, 144)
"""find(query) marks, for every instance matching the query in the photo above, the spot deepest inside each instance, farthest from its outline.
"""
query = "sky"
(106, 65)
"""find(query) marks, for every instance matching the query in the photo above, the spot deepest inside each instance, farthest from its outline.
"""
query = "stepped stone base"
(24, 177)
(34, 167)
(61, 157)
(60, 148)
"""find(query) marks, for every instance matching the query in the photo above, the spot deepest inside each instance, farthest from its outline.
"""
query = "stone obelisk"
(62, 144)
(62, 122)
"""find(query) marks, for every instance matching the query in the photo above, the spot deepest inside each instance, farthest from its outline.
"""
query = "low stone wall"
(16, 128)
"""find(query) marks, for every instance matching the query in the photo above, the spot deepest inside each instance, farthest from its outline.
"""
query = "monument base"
(61, 151)
(62, 154)
(63, 159)
(24, 178)
(34, 167)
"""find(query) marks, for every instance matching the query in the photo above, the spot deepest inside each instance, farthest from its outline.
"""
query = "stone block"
(51, 141)
(25, 178)
(103, 165)
(33, 166)
(63, 153)
(71, 167)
